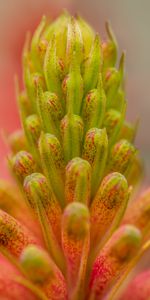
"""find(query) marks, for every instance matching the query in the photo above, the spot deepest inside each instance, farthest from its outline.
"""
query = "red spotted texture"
(55, 287)
(13, 203)
(121, 156)
(111, 196)
(112, 260)
(14, 236)
(23, 165)
(75, 237)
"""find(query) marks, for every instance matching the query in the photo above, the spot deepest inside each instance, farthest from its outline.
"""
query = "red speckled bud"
(75, 243)
(113, 258)
(13, 236)
(108, 205)
(48, 211)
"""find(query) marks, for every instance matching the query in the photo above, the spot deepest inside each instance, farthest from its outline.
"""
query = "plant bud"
(111, 85)
(43, 272)
(108, 205)
(53, 164)
(87, 35)
(113, 123)
(109, 49)
(50, 111)
(47, 210)
(72, 126)
(111, 261)
(92, 66)
(78, 181)
(23, 102)
(35, 55)
(33, 129)
(75, 242)
(95, 152)
(74, 87)
(14, 237)
(128, 131)
(119, 100)
(121, 157)
(22, 165)
(74, 42)
(52, 69)
(17, 141)
(31, 81)
(94, 107)
(36, 263)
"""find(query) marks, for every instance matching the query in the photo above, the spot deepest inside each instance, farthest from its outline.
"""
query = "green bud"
(94, 107)
(121, 157)
(112, 80)
(50, 111)
(95, 152)
(76, 220)
(24, 103)
(125, 246)
(17, 141)
(92, 66)
(35, 53)
(111, 85)
(74, 86)
(119, 100)
(37, 264)
(22, 165)
(113, 123)
(109, 49)
(78, 181)
(52, 69)
(128, 131)
(87, 35)
(53, 163)
(72, 135)
(33, 131)
(74, 42)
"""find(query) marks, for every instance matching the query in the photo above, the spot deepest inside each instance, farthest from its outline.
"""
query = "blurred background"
(130, 21)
